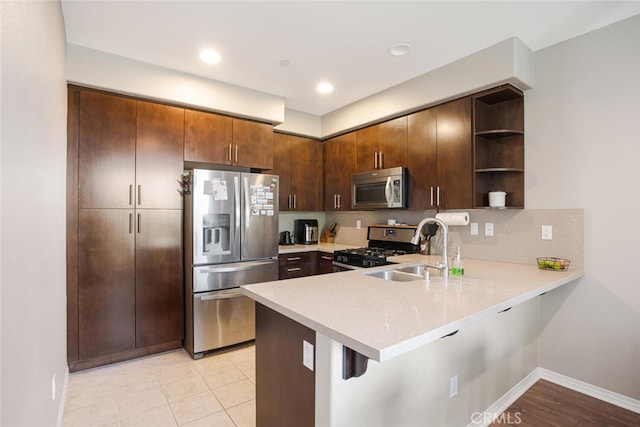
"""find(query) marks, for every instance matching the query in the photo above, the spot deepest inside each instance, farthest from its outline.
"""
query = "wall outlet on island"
(453, 386)
(358, 224)
(547, 232)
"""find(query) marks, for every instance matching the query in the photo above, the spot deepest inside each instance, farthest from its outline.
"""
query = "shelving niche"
(498, 129)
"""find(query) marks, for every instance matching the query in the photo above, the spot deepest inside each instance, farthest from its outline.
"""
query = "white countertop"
(384, 319)
(320, 247)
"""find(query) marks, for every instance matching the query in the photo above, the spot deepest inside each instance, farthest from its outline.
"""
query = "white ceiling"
(344, 42)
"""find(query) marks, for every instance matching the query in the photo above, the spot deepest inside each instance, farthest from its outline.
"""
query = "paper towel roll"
(454, 218)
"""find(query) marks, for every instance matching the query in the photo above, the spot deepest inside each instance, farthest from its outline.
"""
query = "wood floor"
(548, 404)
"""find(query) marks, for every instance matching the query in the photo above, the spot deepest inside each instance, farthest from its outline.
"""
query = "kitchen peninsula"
(352, 317)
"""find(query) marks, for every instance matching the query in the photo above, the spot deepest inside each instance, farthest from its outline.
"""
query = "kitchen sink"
(404, 274)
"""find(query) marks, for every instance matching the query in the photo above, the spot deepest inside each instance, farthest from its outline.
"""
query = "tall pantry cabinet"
(125, 281)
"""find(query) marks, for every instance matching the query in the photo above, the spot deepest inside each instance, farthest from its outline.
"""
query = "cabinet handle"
(335, 201)
(294, 202)
(130, 223)
(381, 159)
(230, 148)
(328, 258)
(139, 194)
(339, 201)
(289, 201)
(293, 269)
(438, 195)
(295, 258)
(431, 195)
(375, 160)
(139, 222)
(130, 194)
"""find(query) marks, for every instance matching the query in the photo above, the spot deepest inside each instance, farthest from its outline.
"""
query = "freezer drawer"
(222, 318)
(225, 276)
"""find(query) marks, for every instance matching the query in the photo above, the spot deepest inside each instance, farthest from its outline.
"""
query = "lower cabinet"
(130, 285)
(285, 388)
(302, 264)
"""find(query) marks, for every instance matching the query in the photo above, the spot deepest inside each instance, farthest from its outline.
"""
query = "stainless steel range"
(384, 241)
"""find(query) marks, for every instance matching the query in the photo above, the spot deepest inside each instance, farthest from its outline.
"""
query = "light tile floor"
(169, 389)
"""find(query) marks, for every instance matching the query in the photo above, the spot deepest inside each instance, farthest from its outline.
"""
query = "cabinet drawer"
(296, 265)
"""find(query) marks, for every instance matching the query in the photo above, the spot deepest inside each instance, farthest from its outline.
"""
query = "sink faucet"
(443, 265)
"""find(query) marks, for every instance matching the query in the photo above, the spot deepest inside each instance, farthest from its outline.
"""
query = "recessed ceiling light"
(285, 63)
(324, 87)
(400, 49)
(210, 56)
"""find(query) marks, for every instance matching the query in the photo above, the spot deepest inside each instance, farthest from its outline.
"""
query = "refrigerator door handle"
(247, 215)
(235, 267)
(237, 214)
(232, 293)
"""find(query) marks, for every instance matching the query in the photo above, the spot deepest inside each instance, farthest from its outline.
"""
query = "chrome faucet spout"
(443, 265)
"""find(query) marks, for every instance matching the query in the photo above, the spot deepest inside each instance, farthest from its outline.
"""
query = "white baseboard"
(499, 406)
(63, 398)
(590, 390)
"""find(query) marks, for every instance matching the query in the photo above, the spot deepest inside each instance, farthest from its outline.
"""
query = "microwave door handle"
(387, 192)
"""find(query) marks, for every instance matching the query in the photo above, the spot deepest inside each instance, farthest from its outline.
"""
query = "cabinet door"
(253, 144)
(207, 137)
(282, 167)
(159, 151)
(159, 277)
(339, 163)
(106, 150)
(324, 263)
(306, 174)
(393, 143)
(382, 146)
(454, 168)
(106, 282)
(422, 152)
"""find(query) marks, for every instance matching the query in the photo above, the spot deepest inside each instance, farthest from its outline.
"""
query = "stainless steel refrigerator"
(231, 239)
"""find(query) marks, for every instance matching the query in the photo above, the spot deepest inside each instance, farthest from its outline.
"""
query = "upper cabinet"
(339, 158)
(298, 162)
(159, 149)
(207, 137)
(440, 157)
(382, 146)
(107, 155)
(212, 138)
(498, 127)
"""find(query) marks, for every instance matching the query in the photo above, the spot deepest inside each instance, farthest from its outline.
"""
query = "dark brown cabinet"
(324, 263)
(208, 137)
(124, 257)
(440, 157)
(298, 162)
(298, 264)
(339, 163)
(106, 277)
(382, 146)
(107, 156)
(252, 144)
(159, 275)
(498, 120)
(217, 139)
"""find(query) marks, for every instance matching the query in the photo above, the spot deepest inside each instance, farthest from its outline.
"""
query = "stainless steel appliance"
(306, 231)
(231, 239)
(383, 241)
(380, 189)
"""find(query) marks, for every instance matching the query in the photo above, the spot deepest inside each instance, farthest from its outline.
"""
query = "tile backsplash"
(516, 233)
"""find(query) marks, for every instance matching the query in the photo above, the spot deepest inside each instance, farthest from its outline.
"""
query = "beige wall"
(583, 150)
(33, 335)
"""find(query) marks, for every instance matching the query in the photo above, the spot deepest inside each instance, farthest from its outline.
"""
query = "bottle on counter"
(457, 264)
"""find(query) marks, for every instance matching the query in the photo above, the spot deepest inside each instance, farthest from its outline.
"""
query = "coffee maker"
(306, 231)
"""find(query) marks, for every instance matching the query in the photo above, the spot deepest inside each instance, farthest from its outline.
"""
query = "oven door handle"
(231, 293)
(388, 192)
(346, 266)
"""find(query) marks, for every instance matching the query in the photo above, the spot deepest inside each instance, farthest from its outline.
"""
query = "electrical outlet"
(488, 229)
(307, 354)
(473, 228)
(53, 387)
(453, 386)
(358, 224)
(547, 232)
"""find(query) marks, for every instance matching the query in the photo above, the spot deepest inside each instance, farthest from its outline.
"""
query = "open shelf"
(498, 126)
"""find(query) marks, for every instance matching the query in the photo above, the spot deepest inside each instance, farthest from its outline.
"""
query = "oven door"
(338, 267)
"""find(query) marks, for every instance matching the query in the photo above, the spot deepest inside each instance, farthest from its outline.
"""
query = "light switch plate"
(488, 229)
(547, 232)
(307, 354)
(473, 228)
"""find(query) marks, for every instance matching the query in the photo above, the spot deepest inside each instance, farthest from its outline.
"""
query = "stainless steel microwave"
(379, 189)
